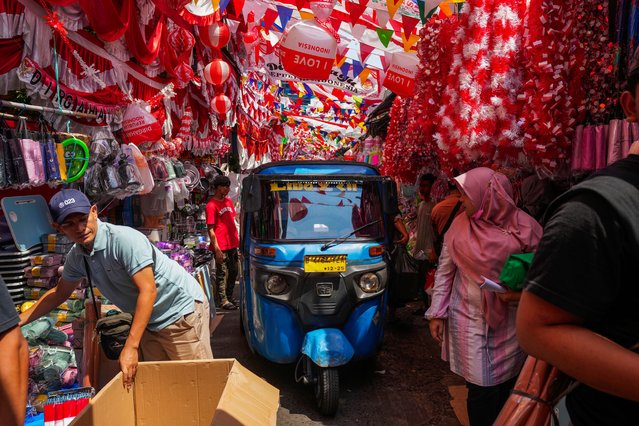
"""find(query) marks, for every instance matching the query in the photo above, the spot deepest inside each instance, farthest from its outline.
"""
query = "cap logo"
(66, 202)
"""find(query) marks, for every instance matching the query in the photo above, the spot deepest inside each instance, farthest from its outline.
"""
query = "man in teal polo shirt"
(170, 310)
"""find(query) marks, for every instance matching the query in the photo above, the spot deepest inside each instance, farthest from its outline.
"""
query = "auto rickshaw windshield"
(309, 209)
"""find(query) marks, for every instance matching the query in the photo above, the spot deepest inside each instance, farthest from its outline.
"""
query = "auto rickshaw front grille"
(323, 308)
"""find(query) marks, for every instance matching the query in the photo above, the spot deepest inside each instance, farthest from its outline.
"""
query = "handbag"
(112, 330)
(406, 274)
(539, 388)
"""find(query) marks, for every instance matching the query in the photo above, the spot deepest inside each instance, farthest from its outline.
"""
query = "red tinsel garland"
(517, 77)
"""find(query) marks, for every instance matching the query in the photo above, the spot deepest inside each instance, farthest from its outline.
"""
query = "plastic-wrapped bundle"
(43, 331)
(51, 368)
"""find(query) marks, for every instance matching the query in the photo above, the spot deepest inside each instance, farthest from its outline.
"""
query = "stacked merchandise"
(12, 265)
(51, 339)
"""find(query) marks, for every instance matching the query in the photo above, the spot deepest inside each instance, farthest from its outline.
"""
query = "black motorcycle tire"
(327, 390)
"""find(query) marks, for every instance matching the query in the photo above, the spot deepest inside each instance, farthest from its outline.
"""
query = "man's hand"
(219, 255)
(129, 365)
(436, 326)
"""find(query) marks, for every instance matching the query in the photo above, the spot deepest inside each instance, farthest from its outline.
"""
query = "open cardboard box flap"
(216, 392)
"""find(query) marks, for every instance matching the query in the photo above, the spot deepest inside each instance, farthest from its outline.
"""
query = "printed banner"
(38, 81)
(369, 88)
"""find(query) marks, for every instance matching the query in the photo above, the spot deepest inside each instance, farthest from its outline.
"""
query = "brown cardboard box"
(216, 392)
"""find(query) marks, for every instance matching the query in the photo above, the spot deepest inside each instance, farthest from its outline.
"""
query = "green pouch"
(515, 270)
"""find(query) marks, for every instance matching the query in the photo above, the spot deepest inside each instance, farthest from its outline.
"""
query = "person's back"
(586, 265)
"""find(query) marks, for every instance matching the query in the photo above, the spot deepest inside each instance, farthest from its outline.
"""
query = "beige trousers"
(188, 338)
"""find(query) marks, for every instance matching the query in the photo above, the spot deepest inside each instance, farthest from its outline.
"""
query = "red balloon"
(217, 72)
(221, 104)
(216, 36)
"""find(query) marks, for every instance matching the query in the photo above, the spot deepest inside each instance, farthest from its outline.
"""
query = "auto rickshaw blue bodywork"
(314, 270)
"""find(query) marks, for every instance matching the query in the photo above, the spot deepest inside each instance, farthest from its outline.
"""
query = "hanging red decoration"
(217, 72)
(139, 125)
(400, 77)
(184, 74)
(322, 9)
(221, 104)
(308, 51)
(181, 41)
(216, 36)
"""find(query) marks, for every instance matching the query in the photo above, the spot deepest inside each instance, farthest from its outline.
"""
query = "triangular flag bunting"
(410, 42)
(223, 5)
(355, 10)
(345, 68)
(336, 23)
(384, 36)
(392, 6)
(216, 4)
(421, 4)
(409, 23)
(363, 76)
(382, 17)
(306, 15)
(300, 4)
(364, 51)
(357, 68)
(285, 15)
(358, 30)
(257, 55)
(269, 19)
(339, 94)
(386, 59)
(339, 58)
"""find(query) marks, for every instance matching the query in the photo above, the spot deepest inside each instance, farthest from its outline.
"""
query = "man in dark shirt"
(580, 309)
(15, 363)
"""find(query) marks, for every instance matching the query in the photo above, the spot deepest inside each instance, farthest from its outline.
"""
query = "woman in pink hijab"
(476, 327)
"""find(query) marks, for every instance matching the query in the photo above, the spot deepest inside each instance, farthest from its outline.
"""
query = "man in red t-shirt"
(220, 218)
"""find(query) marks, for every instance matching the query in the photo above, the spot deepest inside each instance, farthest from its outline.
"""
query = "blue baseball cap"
(66, 202)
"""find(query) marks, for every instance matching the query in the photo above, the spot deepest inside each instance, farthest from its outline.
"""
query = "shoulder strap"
(86, 267)
(95, 305)
(451, 217)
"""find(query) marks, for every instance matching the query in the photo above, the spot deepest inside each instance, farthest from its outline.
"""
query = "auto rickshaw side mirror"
(251, 194)
(389, 197)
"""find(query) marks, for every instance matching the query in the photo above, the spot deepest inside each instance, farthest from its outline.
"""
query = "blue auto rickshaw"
(314, 268)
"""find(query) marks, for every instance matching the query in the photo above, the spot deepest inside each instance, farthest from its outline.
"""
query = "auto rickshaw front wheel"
(327, 390)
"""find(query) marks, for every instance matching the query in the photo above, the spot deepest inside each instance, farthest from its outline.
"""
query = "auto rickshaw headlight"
(369, 282)
(276, 284)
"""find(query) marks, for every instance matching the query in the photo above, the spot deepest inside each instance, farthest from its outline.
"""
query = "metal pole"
(46, 109)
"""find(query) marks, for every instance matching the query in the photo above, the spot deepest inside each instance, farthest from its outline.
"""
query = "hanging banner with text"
(38, 81)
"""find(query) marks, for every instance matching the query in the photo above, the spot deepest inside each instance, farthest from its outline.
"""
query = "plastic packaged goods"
(42, 282)
(47, 260)
(64, 316)
(41, 271)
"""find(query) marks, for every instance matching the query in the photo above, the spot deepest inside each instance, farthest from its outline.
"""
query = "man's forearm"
(48, 302)
(585, 356)
(13, 377)
(143, 310)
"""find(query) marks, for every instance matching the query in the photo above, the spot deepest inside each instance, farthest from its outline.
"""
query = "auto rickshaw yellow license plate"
(325, 263)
